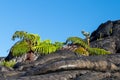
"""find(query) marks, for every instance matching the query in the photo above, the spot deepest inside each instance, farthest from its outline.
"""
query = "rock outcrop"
(66, 65)
(69, 68)
(107, 36)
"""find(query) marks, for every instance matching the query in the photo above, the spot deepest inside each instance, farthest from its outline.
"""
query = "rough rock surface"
(70, 68)
(21, 58)
(66, 65)
(48, 58)
(107, 36)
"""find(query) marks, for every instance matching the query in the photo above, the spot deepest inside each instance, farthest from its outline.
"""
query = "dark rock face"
(106, 43)
(102, 31)
(9, 57)
(107, 36)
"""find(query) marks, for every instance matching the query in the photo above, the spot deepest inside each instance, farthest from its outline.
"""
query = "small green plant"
(8, 64)
(111, 31)
(100, 37)
(98, 51)
(78, 41)
(82, 51)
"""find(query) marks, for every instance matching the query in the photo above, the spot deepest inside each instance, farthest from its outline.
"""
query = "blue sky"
(53, 19)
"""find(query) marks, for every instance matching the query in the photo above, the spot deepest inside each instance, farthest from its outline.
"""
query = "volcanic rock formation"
(66, 65)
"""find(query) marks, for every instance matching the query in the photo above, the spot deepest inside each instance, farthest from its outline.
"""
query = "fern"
(58, 45)
(98, 51)
(31, 42)
(84, 48)
(19, 34)
(46, 42)
(32, 39)
(20, 48)
(77, 40)
(8, 64)
(45, 48)
(82, 51)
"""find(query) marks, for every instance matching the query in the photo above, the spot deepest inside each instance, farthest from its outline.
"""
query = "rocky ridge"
(66, 65)
(107, 36)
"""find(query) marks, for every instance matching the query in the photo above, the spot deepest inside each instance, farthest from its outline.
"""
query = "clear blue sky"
(53, 19)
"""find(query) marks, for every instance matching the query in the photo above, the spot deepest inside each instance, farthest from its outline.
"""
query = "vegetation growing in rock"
(111, 31)
(98, 51)
(77, 41)
(20, 48)
(8, 64)
(83, 48)
(46, 47)
(31, 42)
(82, 51)
(100, 37)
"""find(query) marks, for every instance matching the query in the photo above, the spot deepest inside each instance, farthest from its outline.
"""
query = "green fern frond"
(31, 42)
(8, 64)
(46, 41)
(77, 40)
(44, 49)
(20, 48)
(31, 38)
(82, 51)
(85, 48)
(58, 45)
(98, 51)
(19, 34)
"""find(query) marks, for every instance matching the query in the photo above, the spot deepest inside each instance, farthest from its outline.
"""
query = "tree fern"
(25, 44)
(19, 34)
(58, 45)
(83, 48)
(46, 41)
(31, 42)
(28, 37)
(46, 47)
(77, 40)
